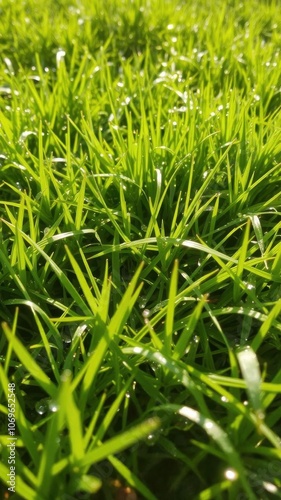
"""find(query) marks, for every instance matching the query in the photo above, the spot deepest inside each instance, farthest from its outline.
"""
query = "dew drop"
(66, 339)
(42, 406)
(208, 424)
(151, 439)
(60, 56)
(53, 406)
(270, 487)
(142, 302)
(231, 474)
(146, 313)
(137, 350)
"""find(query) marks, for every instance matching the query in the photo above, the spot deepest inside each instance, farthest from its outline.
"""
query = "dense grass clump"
(140, 284)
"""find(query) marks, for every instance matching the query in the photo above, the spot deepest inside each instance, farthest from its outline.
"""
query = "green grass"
(140, 277)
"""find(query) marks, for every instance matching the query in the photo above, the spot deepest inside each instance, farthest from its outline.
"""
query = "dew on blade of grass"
(142, 302)
(53, 406)
(270, 487)
(58, 160)
(189, 413)
(151, 439)
(5, 90)
(60, 56)
(78, 331)
(9, 65)
(42, 406)
(137, 350)
(208, 424)
(34, 78)
(160, 358)
(146, 313)
(231, 474)
(154, 367)
(66, 338)
(126, 101)
(249, 286)
(18, 165)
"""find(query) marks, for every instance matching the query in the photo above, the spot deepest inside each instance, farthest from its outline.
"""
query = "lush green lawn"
(140, 284)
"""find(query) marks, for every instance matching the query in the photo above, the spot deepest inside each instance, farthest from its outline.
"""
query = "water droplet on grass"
(66, 339)
(9, 65)
(146, 313)
(231, 474)
(250, 286)
(137, 350)
(53, 406)
(160, 358)
(142, 302)
(151, 439)
(78, 331)
(58, 160)
(60, 56)
(208, 424)
(42, 406)
(270, 487)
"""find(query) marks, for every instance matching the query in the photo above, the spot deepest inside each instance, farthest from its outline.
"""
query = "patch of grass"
(140, 285)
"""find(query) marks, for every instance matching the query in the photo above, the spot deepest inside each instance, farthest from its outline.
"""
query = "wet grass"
(140, 285)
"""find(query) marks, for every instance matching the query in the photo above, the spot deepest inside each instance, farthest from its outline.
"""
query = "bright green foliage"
(140, 268)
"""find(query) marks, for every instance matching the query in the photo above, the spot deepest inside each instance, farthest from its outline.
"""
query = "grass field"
(140, 283)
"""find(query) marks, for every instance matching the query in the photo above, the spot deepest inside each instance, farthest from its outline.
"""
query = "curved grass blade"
(28, 362)
(120, 442)
(222, 440)
(251, 373)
